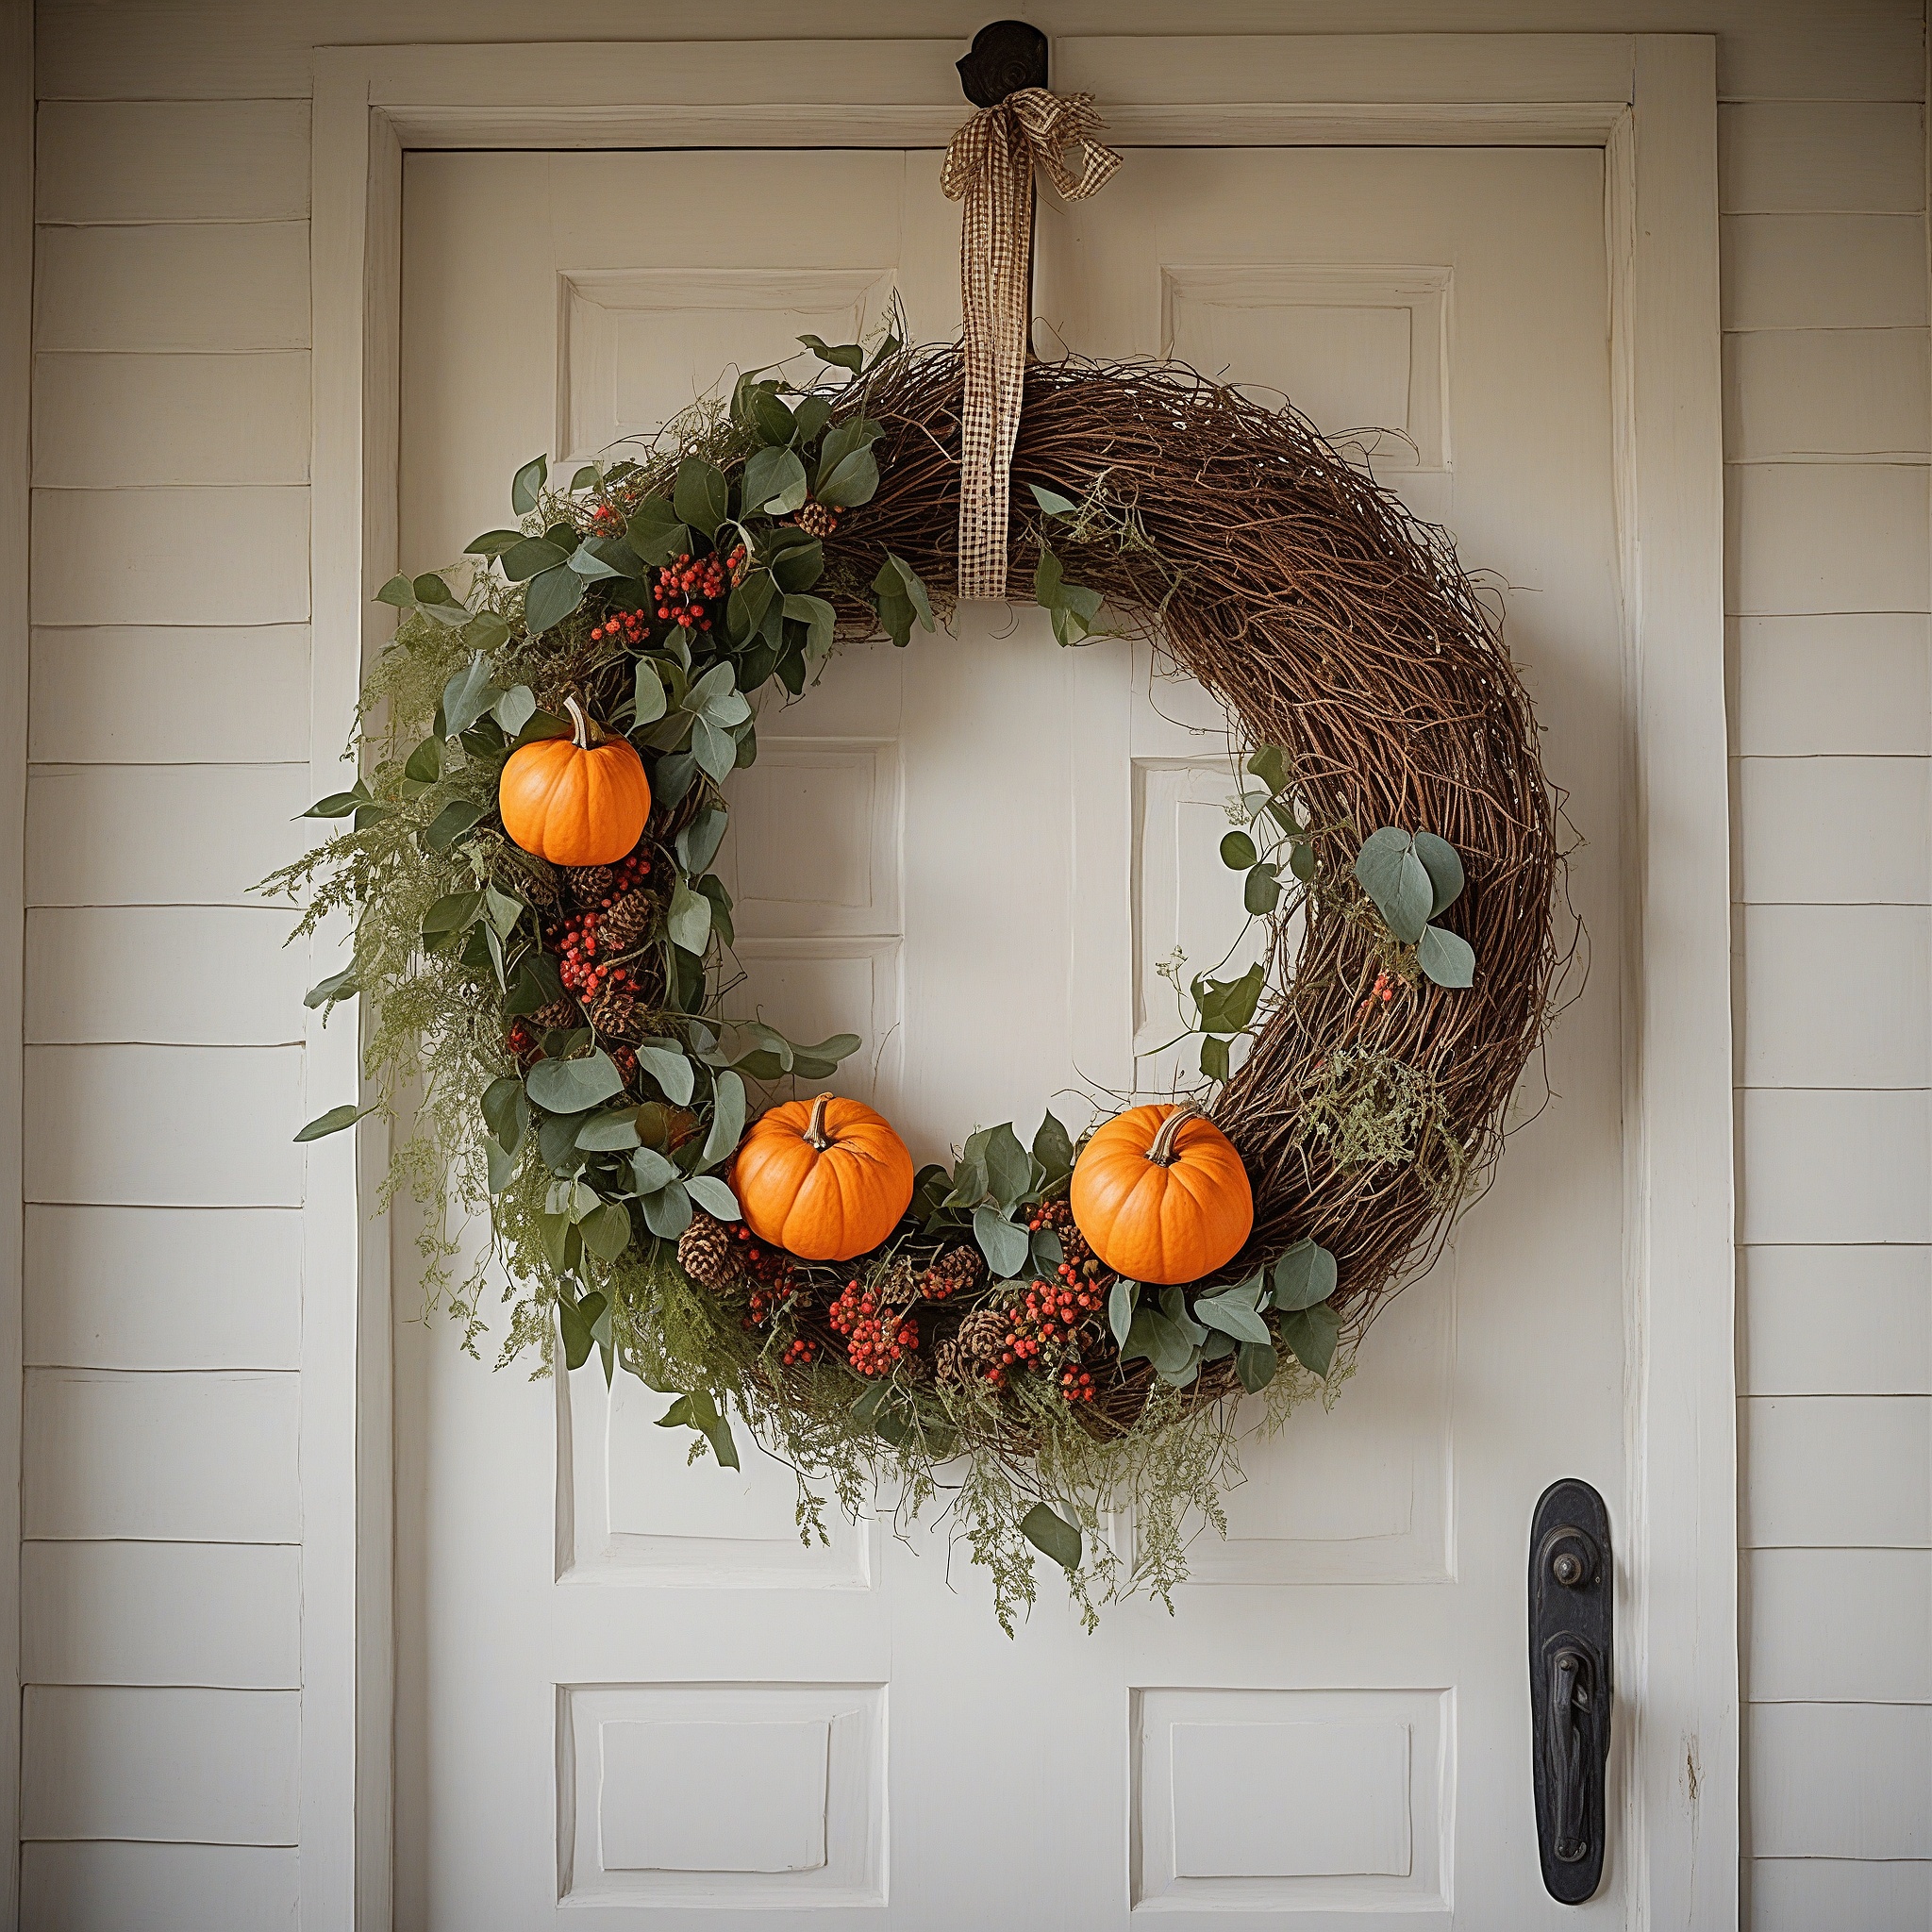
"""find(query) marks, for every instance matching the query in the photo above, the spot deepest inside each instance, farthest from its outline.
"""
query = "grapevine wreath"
(1046, 1329)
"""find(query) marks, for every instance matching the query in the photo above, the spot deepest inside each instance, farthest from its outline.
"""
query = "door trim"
(1650, 103)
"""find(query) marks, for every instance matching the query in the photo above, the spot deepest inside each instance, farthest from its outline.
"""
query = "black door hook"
(1005, 56)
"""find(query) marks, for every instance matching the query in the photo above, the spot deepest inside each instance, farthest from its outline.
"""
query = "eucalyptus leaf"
(499, 1162)
(1121, 1299)
(515, 708)
(651, 703)
(467, 696)
(576, 1334)
(818, 618)
(714, 1196)
(651, 1171)
(1009, 1172)
(400, 592)
(846, 356)
(1052, 502)
(1261, 890)
(609, 1133)
(524, 559)
(1004, 1246)
(667, 1213)
(1233, 1314)
(1256, 1365)
(1226, 1006)
(460, 816)
(1305, 1276)
(656, 532)
(1238, 852)
(727, 1118)
(1052, 1147)
(664, 1061)
(1447, 957)
(774, 481)
(698, 842)
(333, 1121)
(551, 597)
(527, 485)
(426, 762)
(715, 750)
(702, 494)
(1270, 765)
(1443, 865)
(607, 1233)
(854, 481)
(689, 920)
(1052, 1535)
(1391, 875)
(1313, 1334)
(1214, 1056)
(338, 986)
(572, 1086)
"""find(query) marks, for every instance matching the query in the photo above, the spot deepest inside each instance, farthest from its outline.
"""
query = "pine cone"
(707, 1254)
(626, 922)
(590, 885)
(983, 1335)
(558, 1015)
(537, 884)
(958, 1271)
(949, 1362)
(613, 1011)
(816, 519)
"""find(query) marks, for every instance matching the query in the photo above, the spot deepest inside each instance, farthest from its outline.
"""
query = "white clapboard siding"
(1841, 1627)
(1841, 1780)
(210, 285)
(219, 975)
(1825, 1166)
(224, 1615)
(1808, 1894)
(162, 835)
(1849, 1320)
(1858, 684)
(1835, 271)
(1835, 831)
(171, 1458)
(1832, 156)
(104, 422)
(1837, 1472)
(162, 1287)
(1836, 996)
(216, 555)
(164, 1126)
(1825, 391)
(105, 1886)
(171, 161)
(1826, 537)
(170, 695)
(200, 1766)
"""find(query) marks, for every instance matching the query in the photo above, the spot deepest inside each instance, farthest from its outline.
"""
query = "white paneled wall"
(169, 733)
(1827, 433)
(161, 1571)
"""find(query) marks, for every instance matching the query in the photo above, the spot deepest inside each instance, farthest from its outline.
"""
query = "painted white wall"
(163, 1299)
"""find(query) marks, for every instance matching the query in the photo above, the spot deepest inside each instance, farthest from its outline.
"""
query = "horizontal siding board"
(1821, 1166)
(105, 1886)
(161, 835)
(171, 161)
(219, 284)
(1826, 537)
(215, 556)
(1833, 271)
(212, 1766)
(1841, 1780)
(162, 1287)
(160, 1458)
(1832, 156)
(1831, 831)
(1794, 393)
(1837, 1472)
(1857, 685)
(108, 422)
(1836, 1321)
(1847, 1626)
(1808, 1894)
(220, 1615)
(111, 1125)
(170, 695)
(216, 976)
(1834, 996)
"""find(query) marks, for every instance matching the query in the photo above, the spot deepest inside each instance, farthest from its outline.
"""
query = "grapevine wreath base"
(579, 1081)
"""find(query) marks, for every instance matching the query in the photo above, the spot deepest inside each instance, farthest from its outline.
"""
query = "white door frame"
(1650, 103)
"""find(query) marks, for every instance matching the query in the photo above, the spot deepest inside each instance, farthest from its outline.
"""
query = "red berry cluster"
(605, 518)
(688, 588)
(633, 627)
(580, 967)
(771, 1272)
(875, 1338)
(1077, 1385)
(800, 1353)
(1050, 1316)
(1079, 1268)
(1385, 989)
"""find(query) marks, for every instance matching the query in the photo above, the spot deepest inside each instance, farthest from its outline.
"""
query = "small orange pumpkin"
(1160, 1195)
(823, 1179)
(573, 802)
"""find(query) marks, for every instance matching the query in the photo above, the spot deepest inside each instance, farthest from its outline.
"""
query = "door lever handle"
(1571, 1575)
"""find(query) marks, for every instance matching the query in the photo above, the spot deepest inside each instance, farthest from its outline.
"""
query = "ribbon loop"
(990, 166)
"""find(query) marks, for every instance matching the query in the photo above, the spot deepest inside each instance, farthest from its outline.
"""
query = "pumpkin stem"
(1163, 1153)
(582, 736)
(815, 1127)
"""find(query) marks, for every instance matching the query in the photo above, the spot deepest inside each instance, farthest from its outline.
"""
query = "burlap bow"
(990, 164)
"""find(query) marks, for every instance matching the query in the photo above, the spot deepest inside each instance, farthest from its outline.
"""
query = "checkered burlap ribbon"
(990, 164)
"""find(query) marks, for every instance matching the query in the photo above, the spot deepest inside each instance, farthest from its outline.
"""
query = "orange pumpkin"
(573, 802)
(823, 1179)
(1160, 1195)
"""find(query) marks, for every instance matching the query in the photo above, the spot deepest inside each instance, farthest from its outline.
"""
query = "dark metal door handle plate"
(1572, 1578)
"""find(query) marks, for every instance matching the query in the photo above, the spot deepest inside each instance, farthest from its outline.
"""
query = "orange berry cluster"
(1077, 1385)
(876, 1338)
(1051, 1315)
(1385, 989)
(801, 1352)
(689, 590)
(771, 1272)
(578, 966)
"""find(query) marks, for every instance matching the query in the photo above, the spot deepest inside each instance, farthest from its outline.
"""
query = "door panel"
(627, 1684)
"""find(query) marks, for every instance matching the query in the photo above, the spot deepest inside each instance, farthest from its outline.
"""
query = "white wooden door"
(624, 1684)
